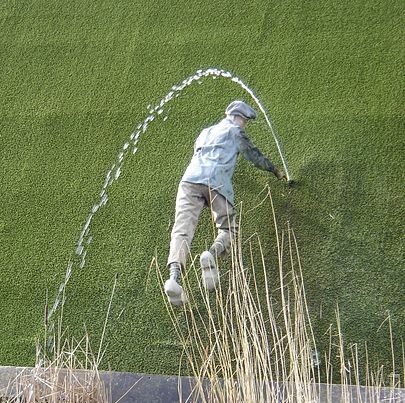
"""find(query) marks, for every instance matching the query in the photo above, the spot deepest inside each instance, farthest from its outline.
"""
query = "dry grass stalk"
(247, 348)
(66, 370)
(70, 375)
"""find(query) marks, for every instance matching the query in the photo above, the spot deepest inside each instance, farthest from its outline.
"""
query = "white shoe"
(175, 292)
(210, 275)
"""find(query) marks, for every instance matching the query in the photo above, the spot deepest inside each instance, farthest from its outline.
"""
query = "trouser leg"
(189, 203)
(224, 216)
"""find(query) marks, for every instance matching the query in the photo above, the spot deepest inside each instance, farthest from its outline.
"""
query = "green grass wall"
(77, 76)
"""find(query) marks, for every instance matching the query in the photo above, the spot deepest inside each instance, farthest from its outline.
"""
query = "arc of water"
(115, 171)
(273, 132)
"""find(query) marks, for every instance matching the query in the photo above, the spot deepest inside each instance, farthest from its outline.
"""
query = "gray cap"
(240, 108)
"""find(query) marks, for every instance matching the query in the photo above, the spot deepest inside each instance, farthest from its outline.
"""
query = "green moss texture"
(76, 77)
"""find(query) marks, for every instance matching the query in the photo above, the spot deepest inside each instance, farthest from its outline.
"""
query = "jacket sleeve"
(252, 153)
(200, 140)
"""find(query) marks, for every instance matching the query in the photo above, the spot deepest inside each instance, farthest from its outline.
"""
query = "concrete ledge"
(129, 387)
(142, 388)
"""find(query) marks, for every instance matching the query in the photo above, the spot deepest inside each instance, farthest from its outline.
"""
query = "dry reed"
(241, 347)
(66, 369)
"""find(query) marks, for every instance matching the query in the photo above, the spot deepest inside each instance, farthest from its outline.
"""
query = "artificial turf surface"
(77, 76)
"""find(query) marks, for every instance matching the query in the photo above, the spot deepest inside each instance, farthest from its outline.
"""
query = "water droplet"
(107, 178)
(104, 200)
(86, 226)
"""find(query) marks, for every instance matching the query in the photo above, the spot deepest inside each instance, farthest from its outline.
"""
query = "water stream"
(131, 147)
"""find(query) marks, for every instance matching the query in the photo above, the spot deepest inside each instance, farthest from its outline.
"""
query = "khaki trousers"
(191, 199)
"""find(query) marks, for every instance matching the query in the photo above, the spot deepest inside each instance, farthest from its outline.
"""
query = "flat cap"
(240, 108)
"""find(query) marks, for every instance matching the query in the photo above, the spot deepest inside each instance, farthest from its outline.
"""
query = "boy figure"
(207, 181)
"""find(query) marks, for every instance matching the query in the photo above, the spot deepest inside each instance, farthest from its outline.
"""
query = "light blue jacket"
(215, 154)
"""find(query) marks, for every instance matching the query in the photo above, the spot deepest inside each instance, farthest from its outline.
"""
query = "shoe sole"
(175, 297)
(210, 276)
(210, 279)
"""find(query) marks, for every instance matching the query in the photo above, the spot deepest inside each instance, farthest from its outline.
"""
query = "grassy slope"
(76, 77)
